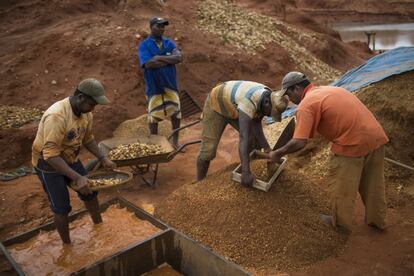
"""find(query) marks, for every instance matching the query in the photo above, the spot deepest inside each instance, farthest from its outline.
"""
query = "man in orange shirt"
(357, 162)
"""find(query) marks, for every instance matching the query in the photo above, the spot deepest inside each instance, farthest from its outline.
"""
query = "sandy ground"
(24, 205)
(47, 48)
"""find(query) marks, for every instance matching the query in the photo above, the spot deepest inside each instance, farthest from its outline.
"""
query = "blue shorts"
(56, 186)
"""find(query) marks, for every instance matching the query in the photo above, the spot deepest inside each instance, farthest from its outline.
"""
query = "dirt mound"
(273, 131)
(391, 100)
(358, 11)
(16, 145)
(289, 12)
(369, 5)
(252, 32)
(273, 231)
(138, 127)
(363, 49)
(47, 48)
(15, 117)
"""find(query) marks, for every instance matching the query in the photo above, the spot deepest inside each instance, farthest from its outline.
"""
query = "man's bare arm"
(161, 61)
(174, 58)
(258, 132)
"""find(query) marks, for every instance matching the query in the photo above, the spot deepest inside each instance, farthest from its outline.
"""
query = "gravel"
(271, 231)
(252, 32)
(16, 116)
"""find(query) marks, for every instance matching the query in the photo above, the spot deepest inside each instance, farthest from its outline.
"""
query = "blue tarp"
(290, 111)
(392, 62)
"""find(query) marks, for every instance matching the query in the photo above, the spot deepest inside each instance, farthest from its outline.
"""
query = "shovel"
(283, 139)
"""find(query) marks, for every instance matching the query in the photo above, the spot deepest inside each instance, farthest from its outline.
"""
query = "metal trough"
(179, 251)
(168, 246)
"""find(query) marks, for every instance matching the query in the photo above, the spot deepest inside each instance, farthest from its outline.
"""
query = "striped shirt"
(231, 97)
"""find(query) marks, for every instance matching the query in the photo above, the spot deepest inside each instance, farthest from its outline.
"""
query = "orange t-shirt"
(341, 117)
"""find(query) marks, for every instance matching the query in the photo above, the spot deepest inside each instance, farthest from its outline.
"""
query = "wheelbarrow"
(147, 164)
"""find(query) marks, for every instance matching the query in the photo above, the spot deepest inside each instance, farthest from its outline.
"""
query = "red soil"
(66, 41)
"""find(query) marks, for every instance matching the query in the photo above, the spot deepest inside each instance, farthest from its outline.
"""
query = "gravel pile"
(259, 170)
(270, 232)
(138, 127)
(251, 31)
(273, 131)
(16, 116)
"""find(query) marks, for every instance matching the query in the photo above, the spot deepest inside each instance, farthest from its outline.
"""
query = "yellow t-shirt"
(61, 133)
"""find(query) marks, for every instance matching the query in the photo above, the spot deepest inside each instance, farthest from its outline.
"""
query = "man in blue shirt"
(158, 56)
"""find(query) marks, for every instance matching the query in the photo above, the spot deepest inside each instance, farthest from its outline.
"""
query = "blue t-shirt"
(159, 78)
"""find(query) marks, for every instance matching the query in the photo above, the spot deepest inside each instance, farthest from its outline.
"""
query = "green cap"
(94, 89)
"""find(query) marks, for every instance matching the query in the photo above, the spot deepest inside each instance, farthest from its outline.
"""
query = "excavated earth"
(47, 47)
(239, 222)
(272, 231)
(390, 101)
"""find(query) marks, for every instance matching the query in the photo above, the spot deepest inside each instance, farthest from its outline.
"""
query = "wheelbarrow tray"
(107, 145)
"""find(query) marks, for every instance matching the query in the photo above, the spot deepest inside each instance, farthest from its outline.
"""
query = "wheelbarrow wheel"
(151, 180)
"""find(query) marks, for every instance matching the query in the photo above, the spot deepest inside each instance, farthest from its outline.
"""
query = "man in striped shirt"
(242, 104)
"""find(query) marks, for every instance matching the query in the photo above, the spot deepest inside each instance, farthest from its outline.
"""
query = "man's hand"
(258, 154)
(92, 146)
(157, 58)
(163, 60)
(108, 163)
(275, 156)
(82, 185)
(247, 179)
(267, 150)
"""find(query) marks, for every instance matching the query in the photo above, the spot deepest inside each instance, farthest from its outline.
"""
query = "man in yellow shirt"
(64, 128)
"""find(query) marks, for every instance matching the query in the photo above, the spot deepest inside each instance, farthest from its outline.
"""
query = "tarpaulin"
(392, 62)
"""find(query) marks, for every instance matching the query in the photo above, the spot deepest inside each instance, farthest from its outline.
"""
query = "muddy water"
(44, 254)
(163, 270)
(388, 36)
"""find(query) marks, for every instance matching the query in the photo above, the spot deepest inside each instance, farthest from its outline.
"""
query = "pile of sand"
(251, 31)
(276, 230)
(391, 100)
(273, 131)
(16, 116)
(138, 127)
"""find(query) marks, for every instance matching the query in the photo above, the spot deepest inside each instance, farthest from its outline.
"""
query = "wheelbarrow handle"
(180, 128)
(180, 148)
